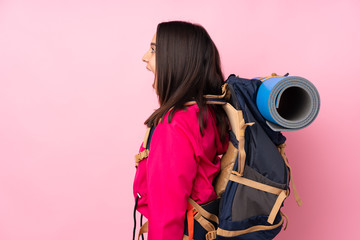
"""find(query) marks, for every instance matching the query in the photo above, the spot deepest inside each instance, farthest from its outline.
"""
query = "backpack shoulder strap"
(236, 120)
(146, 145)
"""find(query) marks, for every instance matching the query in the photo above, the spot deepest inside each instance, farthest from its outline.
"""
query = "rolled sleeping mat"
(288, 103)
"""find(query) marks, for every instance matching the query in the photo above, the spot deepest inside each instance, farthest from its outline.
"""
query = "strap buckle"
(211, 235)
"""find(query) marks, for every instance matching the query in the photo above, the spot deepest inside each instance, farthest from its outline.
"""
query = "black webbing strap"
(141, 218)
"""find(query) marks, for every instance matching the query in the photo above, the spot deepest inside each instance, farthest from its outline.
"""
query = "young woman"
(188, 139)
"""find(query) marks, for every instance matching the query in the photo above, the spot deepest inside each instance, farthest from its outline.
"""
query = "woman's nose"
(145, 58)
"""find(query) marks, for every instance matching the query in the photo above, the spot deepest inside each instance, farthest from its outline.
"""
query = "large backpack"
(254, 178)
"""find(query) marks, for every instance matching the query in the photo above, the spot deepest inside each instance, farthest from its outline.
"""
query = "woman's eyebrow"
(153, 44)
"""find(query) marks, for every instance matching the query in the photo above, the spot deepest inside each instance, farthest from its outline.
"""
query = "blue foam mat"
(288, 103)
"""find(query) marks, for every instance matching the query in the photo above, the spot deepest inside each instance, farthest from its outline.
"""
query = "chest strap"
(141, 156)
(145, 153)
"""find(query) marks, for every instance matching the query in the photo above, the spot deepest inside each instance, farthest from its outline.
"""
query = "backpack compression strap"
(281, 149)
(271, 76)
(227, 233)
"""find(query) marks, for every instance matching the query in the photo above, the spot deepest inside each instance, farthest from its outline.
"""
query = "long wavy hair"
(187, 68)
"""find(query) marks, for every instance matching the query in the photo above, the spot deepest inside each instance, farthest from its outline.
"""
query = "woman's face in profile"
(149, 57)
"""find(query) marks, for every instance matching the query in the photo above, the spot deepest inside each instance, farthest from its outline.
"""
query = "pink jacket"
(181, 164)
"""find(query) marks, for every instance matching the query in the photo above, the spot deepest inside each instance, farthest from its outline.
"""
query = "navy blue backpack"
(254, 178)
(255, 173)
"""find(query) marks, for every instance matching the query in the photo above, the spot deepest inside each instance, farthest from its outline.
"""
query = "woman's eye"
(152, 50)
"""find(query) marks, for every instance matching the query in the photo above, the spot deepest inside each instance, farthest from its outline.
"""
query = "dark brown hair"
(187, 68)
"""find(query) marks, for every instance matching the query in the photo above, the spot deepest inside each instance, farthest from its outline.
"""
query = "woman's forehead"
(153, 39)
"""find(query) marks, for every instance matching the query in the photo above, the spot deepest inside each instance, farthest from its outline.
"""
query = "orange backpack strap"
(199, 214)
(202, 211)
(190, 220)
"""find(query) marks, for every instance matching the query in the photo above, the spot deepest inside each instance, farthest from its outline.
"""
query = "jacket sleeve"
(172, 167)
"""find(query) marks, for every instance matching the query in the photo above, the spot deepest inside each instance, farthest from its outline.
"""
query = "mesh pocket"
(249, 202)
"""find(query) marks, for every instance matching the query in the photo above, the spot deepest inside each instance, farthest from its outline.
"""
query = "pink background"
(74, 95)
